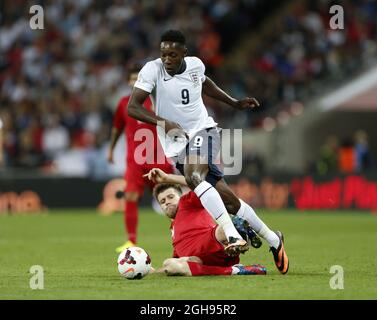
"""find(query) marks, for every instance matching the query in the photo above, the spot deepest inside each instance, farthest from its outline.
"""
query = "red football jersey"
(130, 125)
(191, 222)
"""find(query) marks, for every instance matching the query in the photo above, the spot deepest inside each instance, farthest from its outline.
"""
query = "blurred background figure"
(363, 157)
(347, 156)
(55, 137)
(329, 153)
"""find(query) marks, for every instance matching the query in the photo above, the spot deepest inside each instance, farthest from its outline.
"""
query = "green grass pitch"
(76, 250)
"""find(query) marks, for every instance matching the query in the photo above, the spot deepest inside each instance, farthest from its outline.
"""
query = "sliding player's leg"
(206, 256)
(189, 266)
(195, 175)
(178, 266)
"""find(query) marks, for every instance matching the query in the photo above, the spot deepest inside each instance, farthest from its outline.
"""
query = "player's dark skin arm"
(137, 111)
(212, 90)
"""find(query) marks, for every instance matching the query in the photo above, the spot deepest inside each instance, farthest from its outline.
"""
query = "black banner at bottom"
(191, 309)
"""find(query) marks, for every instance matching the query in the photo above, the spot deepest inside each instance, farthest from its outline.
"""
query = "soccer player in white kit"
(188, 135)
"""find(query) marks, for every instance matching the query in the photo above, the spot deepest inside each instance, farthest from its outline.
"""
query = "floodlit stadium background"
(309, 153)
(312, 143)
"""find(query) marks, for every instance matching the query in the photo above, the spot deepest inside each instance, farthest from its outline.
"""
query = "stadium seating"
(59, 86)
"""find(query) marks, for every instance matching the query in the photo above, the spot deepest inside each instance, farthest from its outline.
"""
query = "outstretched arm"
(212, 90)
(158, 176)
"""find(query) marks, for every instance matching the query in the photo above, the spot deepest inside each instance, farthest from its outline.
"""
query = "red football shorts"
(209, 250)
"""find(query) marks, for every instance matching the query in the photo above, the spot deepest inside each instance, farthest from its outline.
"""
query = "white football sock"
(213, 203)
(246, 212)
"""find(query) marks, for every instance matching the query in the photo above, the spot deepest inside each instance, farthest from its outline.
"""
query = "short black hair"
(173, 36)
(165, 186)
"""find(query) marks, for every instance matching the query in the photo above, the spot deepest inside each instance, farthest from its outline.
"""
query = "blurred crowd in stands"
(59, 86)
(348, 155)
(297, 55)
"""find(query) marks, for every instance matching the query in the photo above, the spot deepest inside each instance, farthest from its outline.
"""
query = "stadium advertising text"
(306, 194)
(26, 202)
(112, 200)
(350, 192)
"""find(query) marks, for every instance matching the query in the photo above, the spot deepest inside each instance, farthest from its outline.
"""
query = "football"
(134, 263)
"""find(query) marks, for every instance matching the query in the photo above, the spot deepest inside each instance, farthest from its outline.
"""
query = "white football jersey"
(177, 98)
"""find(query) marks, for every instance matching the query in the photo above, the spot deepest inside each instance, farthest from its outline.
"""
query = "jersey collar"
(183, 67)
(180, 71)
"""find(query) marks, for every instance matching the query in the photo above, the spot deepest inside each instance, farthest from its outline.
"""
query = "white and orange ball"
(134, 263)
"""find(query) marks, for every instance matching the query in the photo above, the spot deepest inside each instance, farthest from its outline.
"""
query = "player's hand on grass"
(247, 103)
(159, 270)
(156, 176)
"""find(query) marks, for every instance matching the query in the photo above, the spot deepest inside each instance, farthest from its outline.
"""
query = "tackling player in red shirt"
(198, 241)
(192, 236)
(144, 152)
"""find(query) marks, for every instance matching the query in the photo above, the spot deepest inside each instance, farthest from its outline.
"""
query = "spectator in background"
(96, 161)
(9, 139)
(55, 138)
(353, 156)
(363, 156)
(72, 162)
(29, 155)
(347, 159)
(328, 159)
(81, 53)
